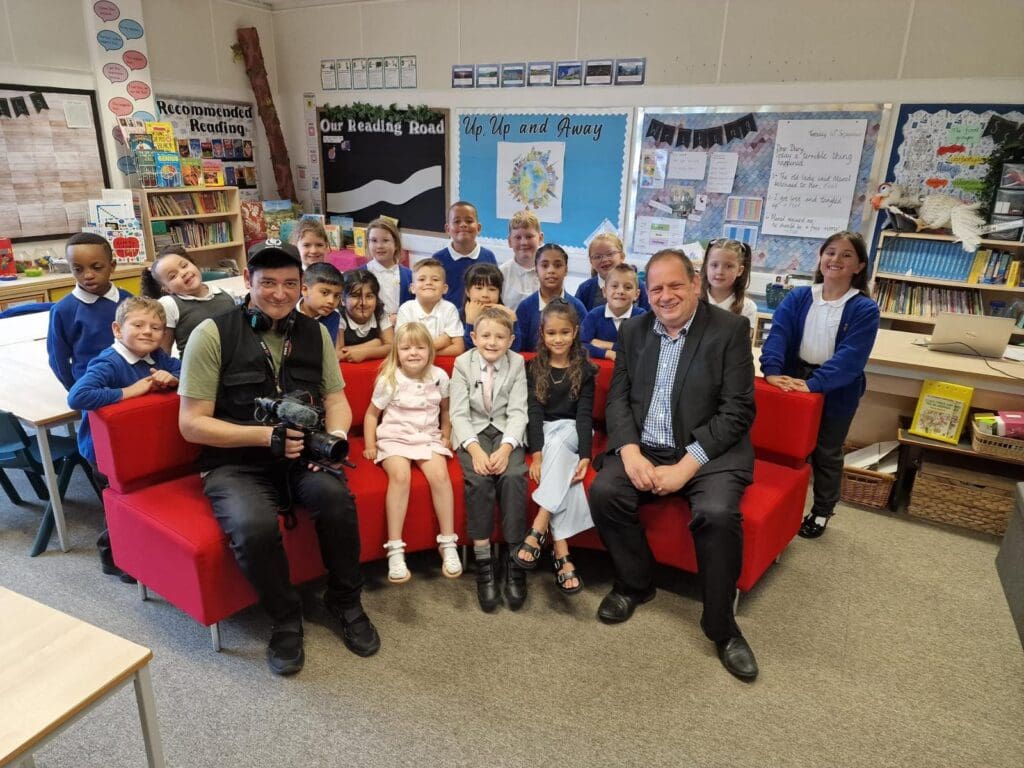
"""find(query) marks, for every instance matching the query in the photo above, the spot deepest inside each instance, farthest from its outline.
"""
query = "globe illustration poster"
(530, 176)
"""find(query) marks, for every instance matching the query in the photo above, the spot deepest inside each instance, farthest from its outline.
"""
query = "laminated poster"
(531, 176)
(656, 232)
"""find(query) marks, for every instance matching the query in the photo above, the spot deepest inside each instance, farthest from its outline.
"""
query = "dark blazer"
(713, 393)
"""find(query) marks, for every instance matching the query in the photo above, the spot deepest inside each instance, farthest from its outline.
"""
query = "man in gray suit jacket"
(679, 413)
(488, 414)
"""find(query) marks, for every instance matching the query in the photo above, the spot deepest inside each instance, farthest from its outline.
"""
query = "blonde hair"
(523, 220)
(742, 252)
(139, 304)
(416, 333)
(495, 315)
(309, 225)
(391, 229)
(607, 237)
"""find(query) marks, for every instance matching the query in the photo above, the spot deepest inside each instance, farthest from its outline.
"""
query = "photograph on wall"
(408, 65)
(513, 75)
(540, 73)
(630, 71)
(463, 75)
(487, 76)
(529, 176)
(599, 72)
(569, 73)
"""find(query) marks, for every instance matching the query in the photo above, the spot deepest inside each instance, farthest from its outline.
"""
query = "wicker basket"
(866, 487)
(960, 497)
(1003, 447)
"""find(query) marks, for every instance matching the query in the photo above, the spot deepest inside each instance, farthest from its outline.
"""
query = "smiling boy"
(463, 226)
(429, 307)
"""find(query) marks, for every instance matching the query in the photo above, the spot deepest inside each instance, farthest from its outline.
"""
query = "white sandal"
(398, 573)
(451, 565)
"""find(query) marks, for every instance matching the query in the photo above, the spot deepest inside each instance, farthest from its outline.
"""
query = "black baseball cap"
(272, 253)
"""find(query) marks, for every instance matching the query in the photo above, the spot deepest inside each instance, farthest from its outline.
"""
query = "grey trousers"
(507, 490)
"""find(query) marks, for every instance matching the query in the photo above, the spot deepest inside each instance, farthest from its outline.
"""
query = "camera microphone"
(291, 411)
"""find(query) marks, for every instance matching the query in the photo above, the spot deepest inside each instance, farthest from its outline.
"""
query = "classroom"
(888, 626)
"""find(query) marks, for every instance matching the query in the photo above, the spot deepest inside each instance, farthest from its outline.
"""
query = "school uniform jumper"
(591, 294)
(528, 316)
(598, 325)
(80, 330)
(455, 266)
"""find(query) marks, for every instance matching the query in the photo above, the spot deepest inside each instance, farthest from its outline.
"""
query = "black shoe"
(515, 585)
(285, 653)
(736, 656)
(357, 631)
(486, 585)
(618, 606)
(108, 567)
(809, 529)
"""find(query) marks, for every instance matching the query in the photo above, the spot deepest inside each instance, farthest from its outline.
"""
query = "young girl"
(412, 395)
(560, 404)
(484, 283)
(310, 237)
(724, 277)
(605, 251)
(176, 281)
(384, 246)
(366, 331)
(820, 341)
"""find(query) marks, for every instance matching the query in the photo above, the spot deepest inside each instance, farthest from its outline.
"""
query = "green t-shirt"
(200, 365)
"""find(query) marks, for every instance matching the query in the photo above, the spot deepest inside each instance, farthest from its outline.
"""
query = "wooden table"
(54, 669)
(31, 327)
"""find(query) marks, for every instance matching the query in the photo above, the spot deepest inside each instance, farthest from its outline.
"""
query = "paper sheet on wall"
(531, 176)
(77, 114)
(814, 172)
(722, 172)
(656, 232)
(687, 165)
(652, 168)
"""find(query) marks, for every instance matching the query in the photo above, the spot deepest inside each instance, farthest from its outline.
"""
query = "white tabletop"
(28, 388)
(30, 327)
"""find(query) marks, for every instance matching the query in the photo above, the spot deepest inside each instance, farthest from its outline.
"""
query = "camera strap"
(286, 352)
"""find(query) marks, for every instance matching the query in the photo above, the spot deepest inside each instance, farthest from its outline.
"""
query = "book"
(168, 169)
(192, 172)
(195, 148)
(229, 175)
(274, 213)
(218, 148)
(206, 148)
(254, 226)
(163, 137)
(941, 411)
(183, 148)
(213, 173)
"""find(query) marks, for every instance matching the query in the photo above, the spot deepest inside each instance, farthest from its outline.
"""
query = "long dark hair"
(353, 280)
(540, 365)
(151, 287)
(860, 280)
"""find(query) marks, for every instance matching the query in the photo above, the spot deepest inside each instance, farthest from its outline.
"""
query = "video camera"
(296, 411)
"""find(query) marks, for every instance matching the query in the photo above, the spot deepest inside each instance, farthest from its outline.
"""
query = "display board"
(568, 167)
(51, 160)
(779, 178)
(378, 167)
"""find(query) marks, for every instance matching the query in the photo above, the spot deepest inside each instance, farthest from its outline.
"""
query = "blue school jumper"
(597, 326)
(78, 332)
(455, 271)
(528, 316)
(590, 296)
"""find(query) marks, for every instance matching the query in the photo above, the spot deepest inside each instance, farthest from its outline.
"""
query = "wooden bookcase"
(971, 297)
(152, 201)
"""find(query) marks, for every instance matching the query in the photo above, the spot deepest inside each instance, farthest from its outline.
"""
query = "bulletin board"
(778, 178)
(568, 167)
(51, 160)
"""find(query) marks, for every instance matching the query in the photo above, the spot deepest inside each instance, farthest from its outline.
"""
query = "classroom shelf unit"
(206, 220)
(916, 275)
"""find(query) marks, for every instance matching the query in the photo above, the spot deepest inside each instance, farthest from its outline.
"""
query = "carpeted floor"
(885, 643)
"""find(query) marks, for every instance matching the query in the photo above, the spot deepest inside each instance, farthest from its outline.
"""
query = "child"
(412, 394)
(488, 428)
(600, 328)
(321, 294)
(605, 251)
(519, 272)
(384, 243)
(310, 237)
(552, 266)
(366, 331)
(176, 281)
(820, 341)
(724, 277)
(132, 366)
(561, 403)
(483, 289)
(432, 309)
(80, 323)
(463, 251)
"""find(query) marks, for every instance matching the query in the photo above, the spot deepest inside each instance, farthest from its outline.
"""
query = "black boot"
(107, 564)
(515, 583)
(486, 584)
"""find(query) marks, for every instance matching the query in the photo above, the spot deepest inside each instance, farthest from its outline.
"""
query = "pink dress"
(411, 421)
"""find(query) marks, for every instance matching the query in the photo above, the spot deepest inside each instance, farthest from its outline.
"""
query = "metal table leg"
(43, 435)
(147, 716)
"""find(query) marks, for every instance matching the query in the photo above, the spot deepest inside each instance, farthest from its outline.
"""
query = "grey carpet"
(885, 643)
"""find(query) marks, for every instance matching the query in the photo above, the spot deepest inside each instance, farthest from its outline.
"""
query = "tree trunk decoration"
(252, 55)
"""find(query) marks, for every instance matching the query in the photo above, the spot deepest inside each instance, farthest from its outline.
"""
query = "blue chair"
(19, 451)
(26, 309)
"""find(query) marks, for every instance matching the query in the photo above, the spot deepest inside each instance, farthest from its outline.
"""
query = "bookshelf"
(916, 275)
(206, 220)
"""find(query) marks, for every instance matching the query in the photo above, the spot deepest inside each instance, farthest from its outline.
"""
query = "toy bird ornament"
(931, 212)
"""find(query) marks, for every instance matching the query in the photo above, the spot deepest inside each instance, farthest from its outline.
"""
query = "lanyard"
(286, 351)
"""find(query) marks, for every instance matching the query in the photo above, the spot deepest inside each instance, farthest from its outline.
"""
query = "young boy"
(519, 272)
(132, 366)
(552, 264)
(321, 296)
(600, 329)
(430, 308)
(489, 417)
(462, 226)
(80, 322)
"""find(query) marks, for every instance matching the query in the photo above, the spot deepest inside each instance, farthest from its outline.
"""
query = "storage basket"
(968, 499)
(1004, 447)
(866, 487)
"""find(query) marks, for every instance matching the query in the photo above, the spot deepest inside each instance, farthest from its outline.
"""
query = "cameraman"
(266, 348)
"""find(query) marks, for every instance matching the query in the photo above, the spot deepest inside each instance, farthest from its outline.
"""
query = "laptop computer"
(978, 335)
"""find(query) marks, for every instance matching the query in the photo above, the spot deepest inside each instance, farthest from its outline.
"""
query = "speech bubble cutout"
(120, 106)
(126, 164)
(116, 133)
(146, 117)
(110, 41)
(130, 28)
(138, 89)
(106, 10)
(135, 59)
(115, 73)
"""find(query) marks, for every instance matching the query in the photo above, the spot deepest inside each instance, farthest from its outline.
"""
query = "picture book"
(254, 226)
(130, 126)
(141, 142)
(229, 175)
(941, 411)
(345, 223)
(229, 149)
(192, 172)
(195, 148)
(274, 213)
(333, 236)
(250, 176)
(168, 169)
(145, 167)
(163, 137)
(213, 173)
(246, 149)
(206, 148)
(218, 148)
(286, 228)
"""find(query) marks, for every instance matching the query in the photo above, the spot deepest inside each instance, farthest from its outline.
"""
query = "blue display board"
(569, 167)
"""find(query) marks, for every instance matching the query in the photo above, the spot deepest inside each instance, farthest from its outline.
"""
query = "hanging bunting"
(654, 129)
(700, 139)
(5, 108)
(684, 137)
(716, 135)
(38, 101)
(703, 138)
(737, 129)
(1001, 129)
(747, 124)
(20, 107)
(668, 134)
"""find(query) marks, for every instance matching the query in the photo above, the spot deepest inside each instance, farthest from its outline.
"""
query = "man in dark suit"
(679, 413)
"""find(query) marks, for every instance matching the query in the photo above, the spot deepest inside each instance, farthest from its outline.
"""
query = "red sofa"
(163, 532)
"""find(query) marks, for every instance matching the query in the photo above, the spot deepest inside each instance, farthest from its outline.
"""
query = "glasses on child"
(605, 255)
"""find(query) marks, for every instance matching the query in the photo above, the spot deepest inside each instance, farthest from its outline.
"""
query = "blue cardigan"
(841, 377)
(454, 271)
(589, 294)
(597, 326)
(78, 332)
(528, 317)
(102, 383)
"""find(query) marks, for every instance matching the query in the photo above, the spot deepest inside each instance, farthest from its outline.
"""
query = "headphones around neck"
(261, 323)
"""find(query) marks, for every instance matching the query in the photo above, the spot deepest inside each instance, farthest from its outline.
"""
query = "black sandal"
(563, 576)
(809, 529)
(529, 565)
